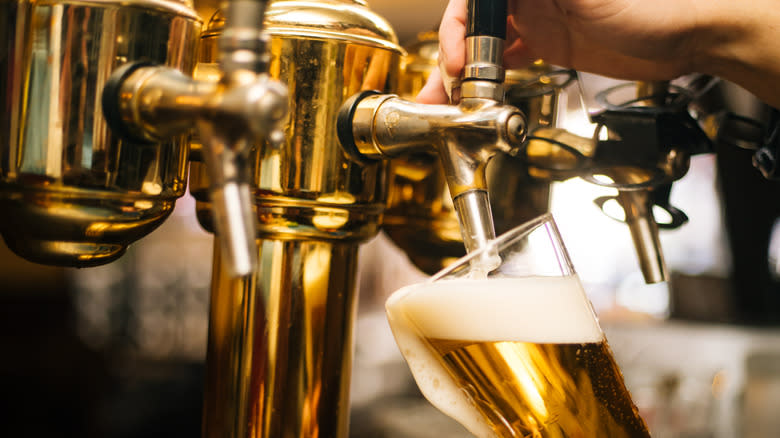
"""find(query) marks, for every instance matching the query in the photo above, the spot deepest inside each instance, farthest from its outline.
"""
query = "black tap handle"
(487, 18)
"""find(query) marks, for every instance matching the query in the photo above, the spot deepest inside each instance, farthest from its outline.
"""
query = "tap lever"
(654, 141)
(483, 73)
(487, 18)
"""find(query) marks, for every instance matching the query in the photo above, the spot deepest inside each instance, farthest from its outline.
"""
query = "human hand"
(634, 39)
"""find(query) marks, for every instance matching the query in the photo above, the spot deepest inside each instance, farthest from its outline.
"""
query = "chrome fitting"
(482, 90)
(484, 56)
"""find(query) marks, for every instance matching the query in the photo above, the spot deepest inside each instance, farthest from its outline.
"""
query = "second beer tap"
(146, 103)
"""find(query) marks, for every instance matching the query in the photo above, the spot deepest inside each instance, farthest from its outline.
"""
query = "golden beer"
(514, 357)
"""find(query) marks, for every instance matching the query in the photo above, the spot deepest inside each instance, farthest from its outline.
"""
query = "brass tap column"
(71, 191)
(280, 341)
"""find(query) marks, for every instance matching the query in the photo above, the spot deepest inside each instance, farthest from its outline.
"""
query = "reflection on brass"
(280, 343)
(291, 349)
(71, 193)
(229, 352)
(421, 58)
(321, 65)
(206, 8)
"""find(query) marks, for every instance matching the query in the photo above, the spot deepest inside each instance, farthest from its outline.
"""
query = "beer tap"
(464, 134)
(147, 103)
(648, 144)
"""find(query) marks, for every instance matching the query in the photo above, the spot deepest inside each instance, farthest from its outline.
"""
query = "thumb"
(433, 91)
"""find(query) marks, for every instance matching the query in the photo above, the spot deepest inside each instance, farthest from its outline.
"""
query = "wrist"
(731, 37)
(740, 43)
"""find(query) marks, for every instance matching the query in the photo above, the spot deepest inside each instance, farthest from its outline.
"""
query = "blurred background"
(118, 350)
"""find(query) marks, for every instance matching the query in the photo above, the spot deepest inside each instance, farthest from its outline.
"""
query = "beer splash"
(514, 357)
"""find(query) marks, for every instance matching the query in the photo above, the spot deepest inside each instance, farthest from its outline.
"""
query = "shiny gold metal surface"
(229, 352)
(71, 193)
(323, 52)
(291, 349)
(280, 343)
(206, 8)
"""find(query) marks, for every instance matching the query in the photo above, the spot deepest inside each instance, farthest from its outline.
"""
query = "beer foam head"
(534, 309)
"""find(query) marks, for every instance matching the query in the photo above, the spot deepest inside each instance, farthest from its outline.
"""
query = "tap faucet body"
(147, 103)
(465, 134)
(648, 145)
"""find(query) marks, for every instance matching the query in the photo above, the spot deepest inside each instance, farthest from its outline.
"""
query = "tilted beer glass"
(516, 351)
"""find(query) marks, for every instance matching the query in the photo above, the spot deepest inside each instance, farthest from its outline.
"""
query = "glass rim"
(507, 238)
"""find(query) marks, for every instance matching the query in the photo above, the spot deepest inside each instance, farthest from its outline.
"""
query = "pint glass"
(514, 350)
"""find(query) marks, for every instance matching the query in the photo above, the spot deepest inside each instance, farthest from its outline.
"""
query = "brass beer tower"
(72, 192)
(280, 340)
